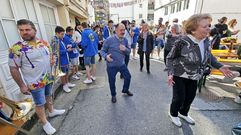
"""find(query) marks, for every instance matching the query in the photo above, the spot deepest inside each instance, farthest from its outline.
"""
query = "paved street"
(90, 111)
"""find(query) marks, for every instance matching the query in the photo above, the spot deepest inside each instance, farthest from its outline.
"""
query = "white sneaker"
(93, 78)
(71, 85)
(75, 77)
(66, 88)
(49, 129)
(87, 81)
(56, 112)
(175, 120)
(237, 100)
(189, 119)
(79, 74)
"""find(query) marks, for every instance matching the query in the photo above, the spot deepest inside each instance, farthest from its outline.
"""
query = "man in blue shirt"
(114, 50)
(72, 52)
(61, 54)
(136, 32)
(90, 45)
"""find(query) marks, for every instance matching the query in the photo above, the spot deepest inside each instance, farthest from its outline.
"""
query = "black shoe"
(113, 99)
(148, 72)
(141, 69)
(128, 93)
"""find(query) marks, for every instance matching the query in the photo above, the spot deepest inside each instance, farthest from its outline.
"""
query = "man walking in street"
(90, 45)
(114, 51)
(33, 57)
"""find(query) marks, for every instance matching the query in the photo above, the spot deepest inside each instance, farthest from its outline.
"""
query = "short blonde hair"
(193, 22)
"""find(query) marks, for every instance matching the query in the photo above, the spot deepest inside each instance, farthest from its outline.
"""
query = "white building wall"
(91, 13)
(231, 9)
(122, 13)
(129, 12)
(143, 11)
(217, 8)
(181, 15)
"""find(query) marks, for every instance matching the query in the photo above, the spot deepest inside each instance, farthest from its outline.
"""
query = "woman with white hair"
(171, 38)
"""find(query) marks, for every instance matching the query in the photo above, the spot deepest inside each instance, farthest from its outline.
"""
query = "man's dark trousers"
(112, 71)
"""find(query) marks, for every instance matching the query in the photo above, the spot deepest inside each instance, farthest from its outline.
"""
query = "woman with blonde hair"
(231, 24)
(186, 63)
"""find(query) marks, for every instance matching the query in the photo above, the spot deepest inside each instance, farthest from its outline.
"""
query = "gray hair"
(177, 27)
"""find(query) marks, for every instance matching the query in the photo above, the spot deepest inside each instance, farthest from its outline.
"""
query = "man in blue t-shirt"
(136, 32)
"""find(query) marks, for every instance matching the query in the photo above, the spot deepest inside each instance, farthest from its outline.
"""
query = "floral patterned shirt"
(33, 59)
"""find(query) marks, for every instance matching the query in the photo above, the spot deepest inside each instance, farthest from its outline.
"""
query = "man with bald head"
(114, 50)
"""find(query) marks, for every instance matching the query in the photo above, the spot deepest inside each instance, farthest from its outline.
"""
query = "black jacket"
(149, 43)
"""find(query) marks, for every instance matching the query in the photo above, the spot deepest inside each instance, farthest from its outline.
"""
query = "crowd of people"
(186, 54)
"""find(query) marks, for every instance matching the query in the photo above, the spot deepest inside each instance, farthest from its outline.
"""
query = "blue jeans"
(40, 94)
(112, 71)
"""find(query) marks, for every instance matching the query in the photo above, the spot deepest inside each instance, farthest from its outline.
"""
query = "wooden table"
(225, 54)
(230, 44)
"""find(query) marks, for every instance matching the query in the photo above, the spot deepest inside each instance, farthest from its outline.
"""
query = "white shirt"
(77, 37)
(200, 44)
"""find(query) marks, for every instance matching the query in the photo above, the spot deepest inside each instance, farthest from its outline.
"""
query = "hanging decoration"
(116, 4)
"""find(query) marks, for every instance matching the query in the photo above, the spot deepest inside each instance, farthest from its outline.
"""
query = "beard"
(28, 38)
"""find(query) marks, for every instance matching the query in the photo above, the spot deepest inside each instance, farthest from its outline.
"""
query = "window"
(140, 16)
(49, 20)
(151, 6)
(179, 6)
(166, 10)
(186, 4)
(172, 8)
(150, 17)
(140, 5)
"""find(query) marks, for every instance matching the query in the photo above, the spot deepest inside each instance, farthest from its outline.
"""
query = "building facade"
(46, 15)
(91, 14)
(183, 9)
(101, 10)
(140, 10)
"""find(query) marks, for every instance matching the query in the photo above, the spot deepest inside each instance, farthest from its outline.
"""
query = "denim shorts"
(159, 43)
(89, 60)
(40, 94)
(133, 45)
(65, 69)
(74, 61)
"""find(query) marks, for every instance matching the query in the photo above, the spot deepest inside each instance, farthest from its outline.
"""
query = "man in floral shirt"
(33, 57)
